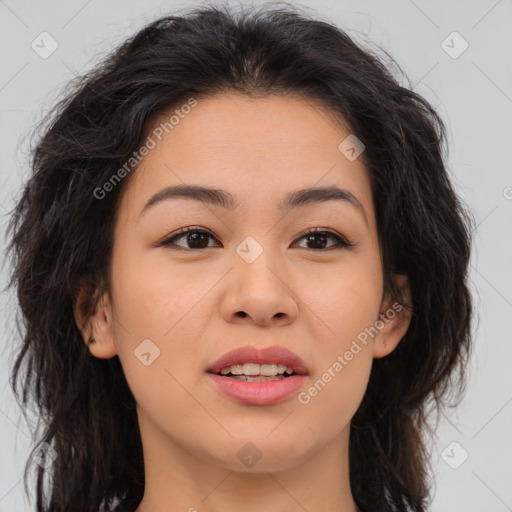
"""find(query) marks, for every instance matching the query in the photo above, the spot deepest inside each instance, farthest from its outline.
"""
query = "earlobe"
(93, 318)
(394, 319)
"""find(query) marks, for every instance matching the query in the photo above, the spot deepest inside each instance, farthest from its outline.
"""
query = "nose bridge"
(250, 250)
(258, 284)
(257, 264)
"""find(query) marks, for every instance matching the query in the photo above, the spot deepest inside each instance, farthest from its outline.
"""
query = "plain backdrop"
(457, 55)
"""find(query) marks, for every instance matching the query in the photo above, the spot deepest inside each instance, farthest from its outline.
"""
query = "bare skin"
(314, 301)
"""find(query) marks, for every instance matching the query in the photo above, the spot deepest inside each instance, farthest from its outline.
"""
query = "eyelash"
(341, 243)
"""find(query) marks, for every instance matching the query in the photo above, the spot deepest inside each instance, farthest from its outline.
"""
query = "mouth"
(253, 372)
(258, 376)
(248, 361)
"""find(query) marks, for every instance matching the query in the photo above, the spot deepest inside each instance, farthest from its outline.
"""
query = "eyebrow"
(225, 199)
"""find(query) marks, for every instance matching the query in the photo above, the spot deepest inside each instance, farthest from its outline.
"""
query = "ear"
(93, 316)
(394, 319)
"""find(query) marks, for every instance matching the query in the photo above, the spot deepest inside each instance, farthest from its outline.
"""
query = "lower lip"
(258, 393)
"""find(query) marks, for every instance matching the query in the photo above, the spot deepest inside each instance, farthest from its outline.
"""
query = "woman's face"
(247, 276)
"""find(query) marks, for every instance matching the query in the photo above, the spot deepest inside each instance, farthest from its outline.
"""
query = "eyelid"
(182, 232)
(320, 230)
(343, 242)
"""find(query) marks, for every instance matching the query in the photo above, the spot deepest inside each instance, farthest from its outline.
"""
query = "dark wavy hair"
(61, 237)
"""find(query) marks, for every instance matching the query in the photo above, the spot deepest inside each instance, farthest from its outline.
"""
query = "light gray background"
(473, 94)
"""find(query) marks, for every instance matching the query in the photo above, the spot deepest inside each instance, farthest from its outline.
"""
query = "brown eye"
(318, 240)
(197, 239)
(194, 239)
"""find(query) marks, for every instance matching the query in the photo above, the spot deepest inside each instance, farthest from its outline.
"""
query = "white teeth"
(258, 378)
(237, 369)
(268, 369)
(251, 369)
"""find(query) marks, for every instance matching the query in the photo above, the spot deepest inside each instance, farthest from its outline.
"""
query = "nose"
(259, 293)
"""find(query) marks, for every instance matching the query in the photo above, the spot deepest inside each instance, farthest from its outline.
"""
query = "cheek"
(169, 303)
(153, 294)
(343, 351)
(343, 301)
(159, 311)
(346, 307)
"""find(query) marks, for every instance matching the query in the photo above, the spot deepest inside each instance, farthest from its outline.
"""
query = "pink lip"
(258, 393)
(263, 392)
(267, 355)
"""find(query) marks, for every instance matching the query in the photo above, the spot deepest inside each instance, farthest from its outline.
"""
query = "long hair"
(61, 236)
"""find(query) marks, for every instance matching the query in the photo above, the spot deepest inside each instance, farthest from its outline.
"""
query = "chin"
(257, 455)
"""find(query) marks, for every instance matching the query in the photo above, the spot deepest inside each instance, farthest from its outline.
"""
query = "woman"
(242, 270)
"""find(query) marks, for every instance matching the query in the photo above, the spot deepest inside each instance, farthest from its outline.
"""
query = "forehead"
(257, 148)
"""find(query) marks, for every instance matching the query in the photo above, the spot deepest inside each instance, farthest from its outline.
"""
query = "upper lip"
(267, 355)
